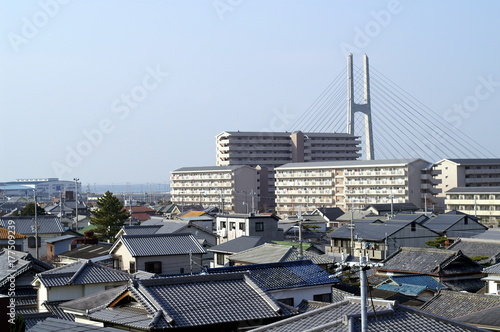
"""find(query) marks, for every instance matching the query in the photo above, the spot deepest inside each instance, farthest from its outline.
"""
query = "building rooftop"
(25, 225)
(460, 190)
(272, 253)
(87, 251)
(15, 263)
(160, 244)
(81, 273)
(56, 325)
(210, 168)
(282, 275)
(237, 245)
(345, 316)
(182, 302)
(349, 163)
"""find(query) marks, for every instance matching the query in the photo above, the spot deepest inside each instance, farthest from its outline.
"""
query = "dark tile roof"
(410, 290)
(345, 316)
(271, 253)
(57, 311)
(22, 263)
(478, 247)
(56, 325)
(237, 245)
(429, 261)
(160, 244)
(282, 275)
(48, 224)
(443, 222)
(451, 304)
(185, 301)
(396, 207)
(331, 213)
(494, 269)
(81, 273)
(488, 318)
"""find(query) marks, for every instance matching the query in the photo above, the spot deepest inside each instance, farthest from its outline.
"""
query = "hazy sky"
(127, 91)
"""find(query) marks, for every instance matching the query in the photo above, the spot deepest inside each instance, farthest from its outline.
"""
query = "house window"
(153, 267)
(413, 227)
(259, 226)
(232, 225)
(32, 242)
(131, 267)
(223, 224)
(287, 301)
(323, 297)
(182, 270)
(241, 226)
(220, 259)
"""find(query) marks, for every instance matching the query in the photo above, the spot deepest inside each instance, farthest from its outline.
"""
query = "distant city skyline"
(126, 92)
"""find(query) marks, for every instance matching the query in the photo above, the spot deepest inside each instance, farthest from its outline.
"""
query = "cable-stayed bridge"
(403, 127)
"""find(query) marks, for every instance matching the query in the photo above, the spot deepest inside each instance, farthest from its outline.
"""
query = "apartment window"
(153, 267)
(259, 226)
(131, 267)
(232, 225)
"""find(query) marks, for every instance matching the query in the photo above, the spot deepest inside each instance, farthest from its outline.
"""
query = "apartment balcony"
(492, 171)
(400, 182)
(483, 180)
(378, 192)
(375, 173)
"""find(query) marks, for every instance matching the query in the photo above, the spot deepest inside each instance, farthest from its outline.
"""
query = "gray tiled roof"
(271, 253)
(185, 301)
(283, 274)
(160, 244)
(23, 262)
(477, 247)
(429, 261)
(443, 222)
(81, 273)
(47, 224)
(451, 304)
(494, 269)
(239, 244)
(345, 316)
(369, 231)
(57, 325)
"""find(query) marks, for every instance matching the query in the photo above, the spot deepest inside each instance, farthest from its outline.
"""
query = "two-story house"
(231, 226)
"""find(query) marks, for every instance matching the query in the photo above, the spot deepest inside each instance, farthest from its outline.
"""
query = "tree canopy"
(29, 210)
(109, 216)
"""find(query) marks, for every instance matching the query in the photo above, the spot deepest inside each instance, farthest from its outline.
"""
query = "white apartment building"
(273, 149)
(482, 202)
(352, 184)
(230, 188)
(453, 173)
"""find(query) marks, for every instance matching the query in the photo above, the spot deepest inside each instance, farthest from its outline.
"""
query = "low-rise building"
(232, 226)
(230, 188)
(167, 254)
(481, 202)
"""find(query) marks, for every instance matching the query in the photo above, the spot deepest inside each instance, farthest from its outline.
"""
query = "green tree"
(109, 216)
(438, 242)
(29, 210)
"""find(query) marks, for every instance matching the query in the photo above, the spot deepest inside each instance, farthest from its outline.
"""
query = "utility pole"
(36, 225)
(301, 251)
(253, 201)
(76, 202)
